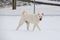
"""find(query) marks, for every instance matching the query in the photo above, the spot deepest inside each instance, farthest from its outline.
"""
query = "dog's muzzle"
(40, 19)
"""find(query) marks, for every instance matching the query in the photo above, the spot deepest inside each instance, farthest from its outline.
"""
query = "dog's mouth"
(40, 19)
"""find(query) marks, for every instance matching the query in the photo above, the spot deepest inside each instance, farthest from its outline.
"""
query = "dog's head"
(40, 15)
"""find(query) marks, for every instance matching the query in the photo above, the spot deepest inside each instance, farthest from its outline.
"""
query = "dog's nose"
(40, 19)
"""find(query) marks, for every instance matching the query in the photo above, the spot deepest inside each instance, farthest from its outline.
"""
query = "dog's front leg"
(34, 27)
(38, 27)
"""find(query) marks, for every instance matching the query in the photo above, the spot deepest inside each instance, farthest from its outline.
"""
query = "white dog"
(30, 18)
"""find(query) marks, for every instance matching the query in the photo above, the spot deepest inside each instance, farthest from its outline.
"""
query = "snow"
(50, 29)
(50, 25)
(46, 9)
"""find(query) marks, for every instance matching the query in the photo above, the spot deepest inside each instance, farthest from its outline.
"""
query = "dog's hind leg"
(27, 25)
(20, 23)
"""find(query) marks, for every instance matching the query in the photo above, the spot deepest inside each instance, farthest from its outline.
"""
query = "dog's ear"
(42, 13)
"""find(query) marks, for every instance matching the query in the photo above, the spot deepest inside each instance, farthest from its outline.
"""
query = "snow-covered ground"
(50, 25)
(50, 29)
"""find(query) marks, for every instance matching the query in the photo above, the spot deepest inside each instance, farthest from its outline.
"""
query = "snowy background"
(50, 25)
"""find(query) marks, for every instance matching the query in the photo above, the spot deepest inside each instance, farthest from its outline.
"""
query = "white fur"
(29, 18)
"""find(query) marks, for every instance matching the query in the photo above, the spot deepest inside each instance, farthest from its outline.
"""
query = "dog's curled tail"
(24, 13)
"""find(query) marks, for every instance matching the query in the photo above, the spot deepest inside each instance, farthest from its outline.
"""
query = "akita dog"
(30, 18)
